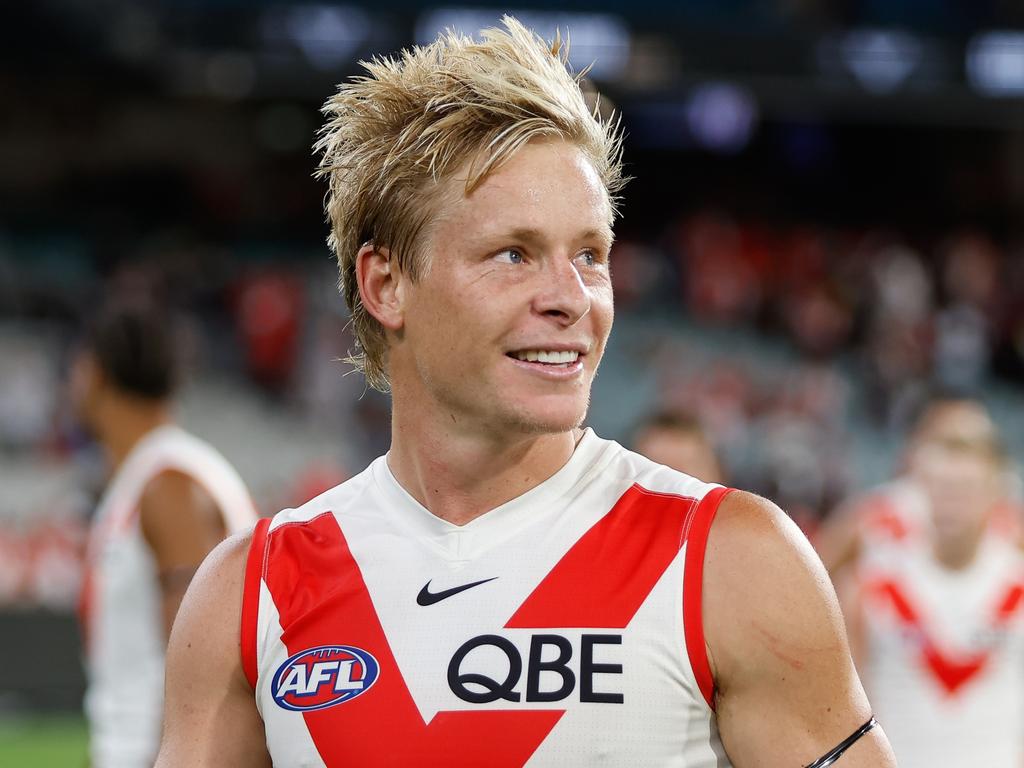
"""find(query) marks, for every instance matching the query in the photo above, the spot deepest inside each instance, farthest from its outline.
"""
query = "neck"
(459, 474)
(957, 554)
(126, 423)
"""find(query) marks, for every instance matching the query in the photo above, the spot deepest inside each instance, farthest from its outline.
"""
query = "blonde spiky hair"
(394, 135)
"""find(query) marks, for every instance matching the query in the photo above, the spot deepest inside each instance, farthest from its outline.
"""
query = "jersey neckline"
(504, 518)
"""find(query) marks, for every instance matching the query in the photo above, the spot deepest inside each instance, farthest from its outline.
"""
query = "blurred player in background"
(677, 440)
(169, 500)
(503, 586)
(936, 607)
(898, 511)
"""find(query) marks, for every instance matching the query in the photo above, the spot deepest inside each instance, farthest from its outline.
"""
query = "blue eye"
(588, 258)
(509, 256)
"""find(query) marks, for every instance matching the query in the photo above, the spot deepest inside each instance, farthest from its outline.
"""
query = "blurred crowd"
(943, 313)
(871, 324)
(802, 352)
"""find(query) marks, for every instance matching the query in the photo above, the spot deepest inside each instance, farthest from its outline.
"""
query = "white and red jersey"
(561, 628)
(895, 512)
(898, 513)
(121, 603)
(944, 655)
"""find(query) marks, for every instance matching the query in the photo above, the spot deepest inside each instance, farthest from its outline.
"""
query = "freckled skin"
(472, 306)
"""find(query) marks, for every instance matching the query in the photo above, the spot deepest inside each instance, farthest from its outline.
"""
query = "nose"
(562, 295)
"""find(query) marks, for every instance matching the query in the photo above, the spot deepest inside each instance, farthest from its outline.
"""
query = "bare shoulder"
(179, 519)
(173, 489)
(766, 591)
(752, 530)
(786, 687)
(215, 593)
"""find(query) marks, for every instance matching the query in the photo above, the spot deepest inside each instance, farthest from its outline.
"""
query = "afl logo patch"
(321, 677)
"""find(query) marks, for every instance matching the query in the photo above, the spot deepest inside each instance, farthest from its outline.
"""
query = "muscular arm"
(787, 691)
(210, 715)
(181, 524)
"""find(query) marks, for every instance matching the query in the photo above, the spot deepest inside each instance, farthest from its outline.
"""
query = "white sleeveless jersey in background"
(944, 655)
(560, 629)
(895, 512)
(122, 607)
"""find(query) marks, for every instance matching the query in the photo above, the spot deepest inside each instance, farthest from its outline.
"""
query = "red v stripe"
(325, 599)
(606, 576)
(1010, 604)
(951, 673)
(610, 571)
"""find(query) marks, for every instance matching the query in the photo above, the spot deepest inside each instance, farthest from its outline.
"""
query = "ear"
(380, 285)
(86, 384)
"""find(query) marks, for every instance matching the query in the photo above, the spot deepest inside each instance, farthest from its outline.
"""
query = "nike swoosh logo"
(426, 597)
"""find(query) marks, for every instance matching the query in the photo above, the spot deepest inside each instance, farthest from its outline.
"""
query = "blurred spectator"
(899, 331)
(677, 440)
(720, 281)
(269, 320)
(964, 326)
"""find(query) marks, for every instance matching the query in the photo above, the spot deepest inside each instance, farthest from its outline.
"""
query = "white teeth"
(546, 356)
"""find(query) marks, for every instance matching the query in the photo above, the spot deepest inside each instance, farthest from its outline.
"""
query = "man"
(677, 440)
(170, 499)
(897, 512)
(937, 615)
(502, 587)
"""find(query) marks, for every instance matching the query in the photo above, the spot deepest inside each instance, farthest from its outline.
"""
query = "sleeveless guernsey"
(562, 628)
(122, 606)
(897, 512)
(945, 655)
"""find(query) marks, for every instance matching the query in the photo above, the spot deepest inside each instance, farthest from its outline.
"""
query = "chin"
(533, 418)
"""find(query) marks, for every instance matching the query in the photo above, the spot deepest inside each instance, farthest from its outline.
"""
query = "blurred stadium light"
(995, 63)
(881, 60)
(598, 39)
(328, 35)
(722, 116)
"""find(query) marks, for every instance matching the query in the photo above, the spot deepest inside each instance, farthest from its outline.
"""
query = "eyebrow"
(536, 237)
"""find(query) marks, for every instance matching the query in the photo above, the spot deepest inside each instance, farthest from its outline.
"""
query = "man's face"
(953, 458)
(963, 483)
(506, 326)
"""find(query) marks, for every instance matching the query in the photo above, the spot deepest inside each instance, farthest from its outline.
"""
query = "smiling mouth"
(560, 359)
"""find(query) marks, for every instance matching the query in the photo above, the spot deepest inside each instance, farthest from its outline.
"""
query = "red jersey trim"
(251, 599)
(609, 572)
(696, 537)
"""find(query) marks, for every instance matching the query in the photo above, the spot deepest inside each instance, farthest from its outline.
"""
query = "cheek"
(443, 327)
(602, 308)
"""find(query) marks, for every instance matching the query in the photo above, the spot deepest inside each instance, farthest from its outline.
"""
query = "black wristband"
(830, 757)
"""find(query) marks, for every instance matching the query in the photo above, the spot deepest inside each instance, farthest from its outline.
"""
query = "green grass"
(43, 742)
